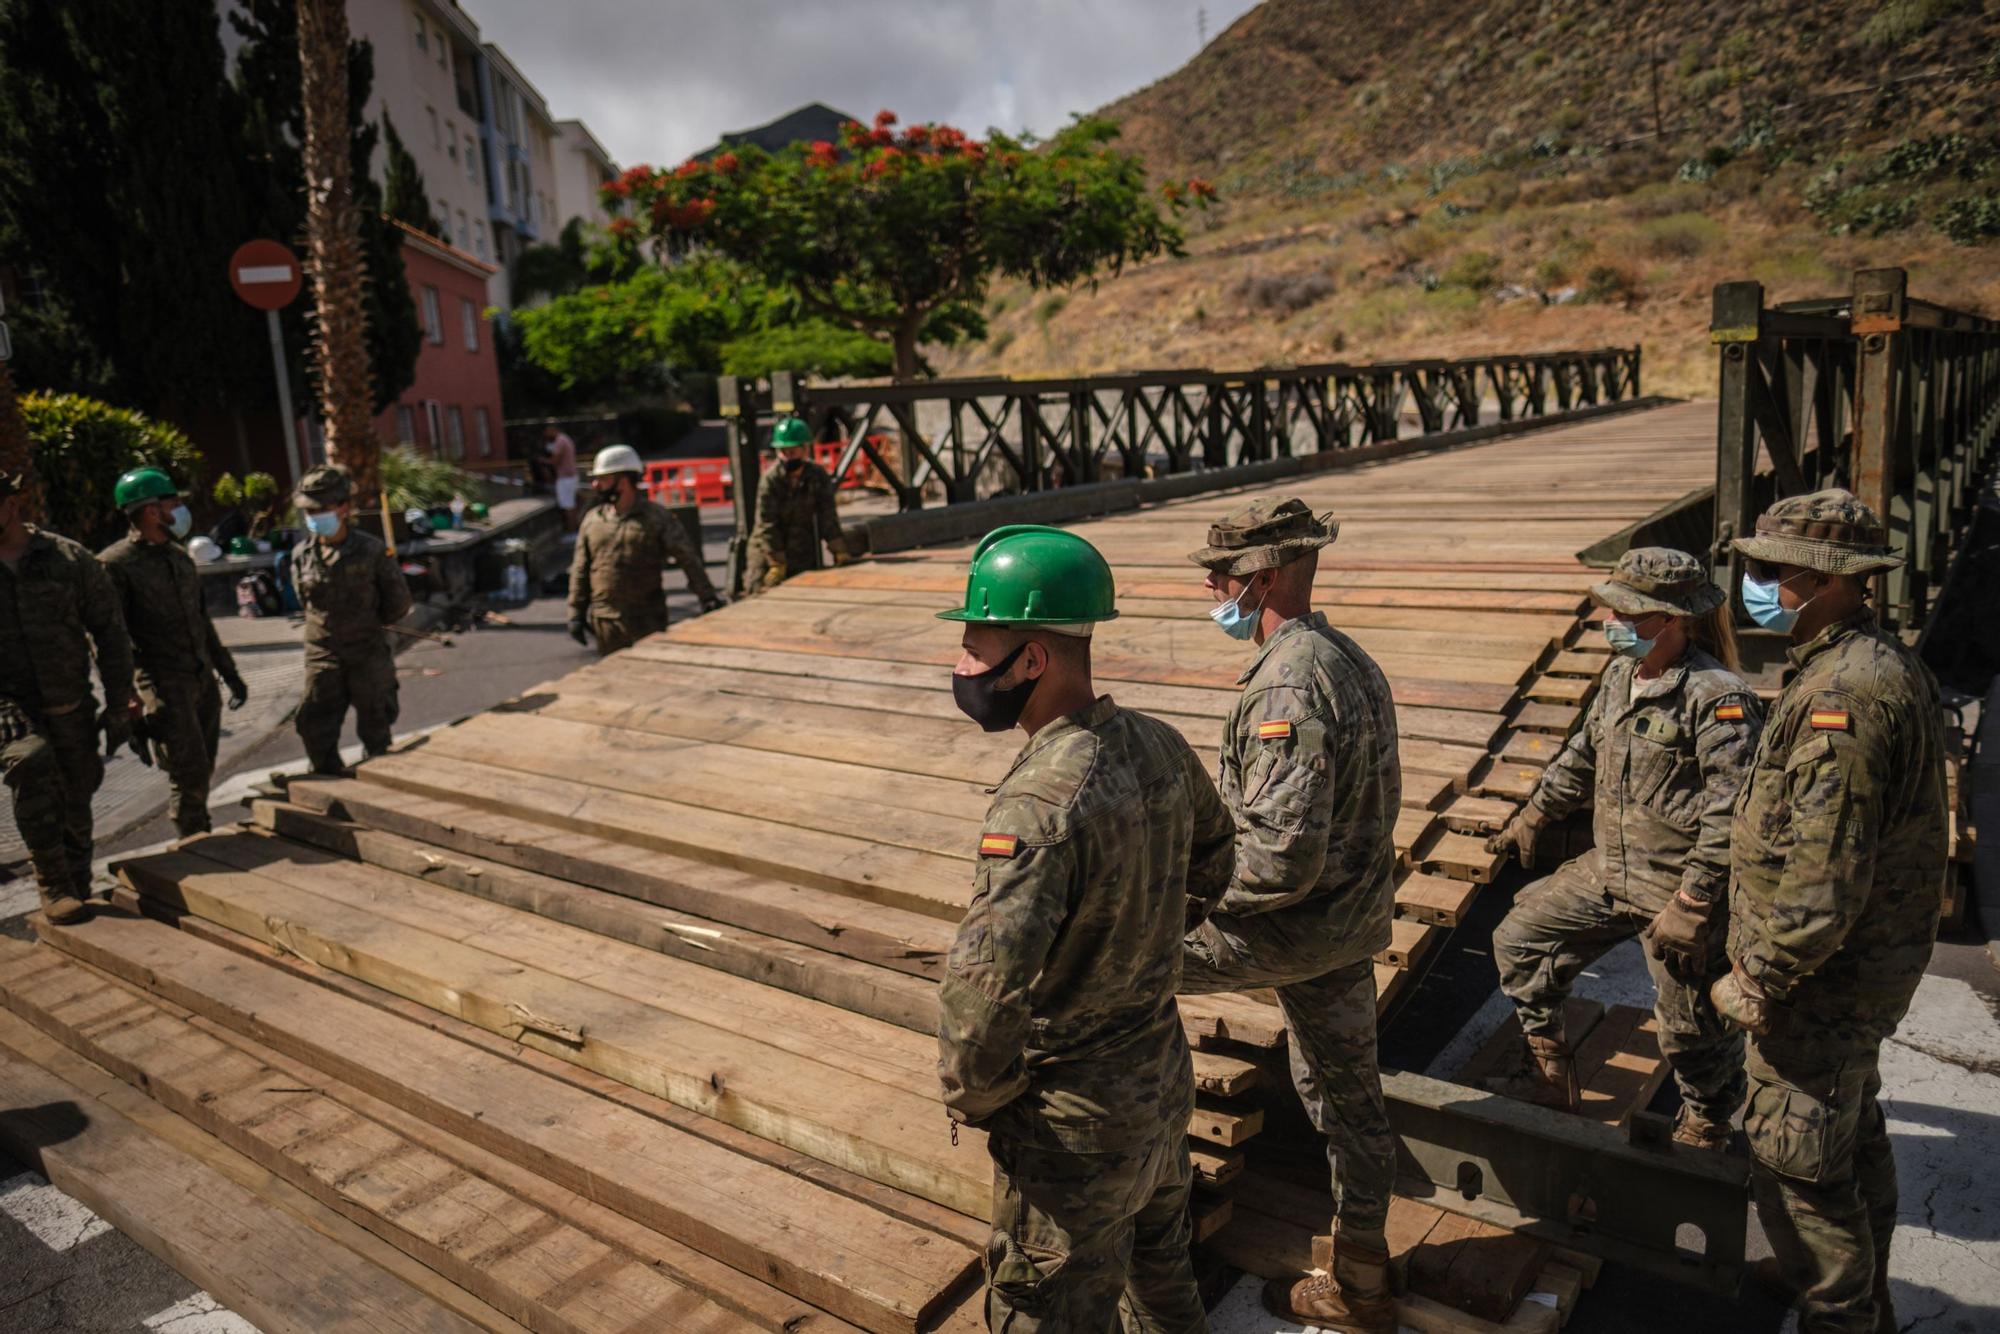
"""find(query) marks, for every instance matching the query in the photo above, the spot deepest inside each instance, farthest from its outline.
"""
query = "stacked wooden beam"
(612, 1008)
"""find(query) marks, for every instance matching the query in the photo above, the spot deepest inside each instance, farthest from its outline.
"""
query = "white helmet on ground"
(614, 459)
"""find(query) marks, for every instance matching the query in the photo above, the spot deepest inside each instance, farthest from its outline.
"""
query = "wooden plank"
(1210, 1214)
(1503, 1046)
(1231, 1018)
(1575, 663)
(863, 988)
(503, 1240)
(1619, 1066)
(1570, 690)
(1532, 748)
(1478, 815)
(1460, 857)
(1225, 1125)
(1409, 941)
(1225, 1076)
(1430, 1261)
(1215, 1167)
(894, 938)
(876, 1129)
(1559, 719)
(1492, 1271)
(1508, 782)
(250, 1255)
(846, 1258)
(1437, 900)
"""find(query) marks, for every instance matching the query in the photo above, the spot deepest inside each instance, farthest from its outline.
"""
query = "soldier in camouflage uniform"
(1660, 757)
(795, 512)
(1311, 775)
(57, 609)
(622, 548)
(177, 653)
(1058, 1034)
(1837, 867)
(353, 591)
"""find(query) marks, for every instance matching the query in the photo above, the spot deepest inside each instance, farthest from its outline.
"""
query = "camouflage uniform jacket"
(1311, 774)
(350, 591)
(795, 513)
(160, 593)
(1057, 1023)
(1837, 855)
(49, 602)
(1663, 772)
(619, 558)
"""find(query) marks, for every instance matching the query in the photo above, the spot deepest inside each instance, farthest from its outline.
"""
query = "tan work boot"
(63, 906)
(1546, 1077)
(1352, 1297)
(1696, 1131)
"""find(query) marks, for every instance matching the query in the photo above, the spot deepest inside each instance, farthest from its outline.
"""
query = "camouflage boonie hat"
(1650, 579)
(1829, 531)
(1264, 535)
(323, 488)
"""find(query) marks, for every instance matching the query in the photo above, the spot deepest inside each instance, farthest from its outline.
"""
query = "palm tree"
(333, 247)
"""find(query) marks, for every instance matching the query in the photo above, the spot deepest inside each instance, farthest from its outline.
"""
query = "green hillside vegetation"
(1447, 177)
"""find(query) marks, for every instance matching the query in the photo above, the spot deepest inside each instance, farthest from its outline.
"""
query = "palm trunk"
(17, 451)
(333, 248)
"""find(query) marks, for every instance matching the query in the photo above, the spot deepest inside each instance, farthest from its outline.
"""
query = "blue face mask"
(1761, 601)
(180, 521)
(1624, 639)
(1234, 620)
(323, 523)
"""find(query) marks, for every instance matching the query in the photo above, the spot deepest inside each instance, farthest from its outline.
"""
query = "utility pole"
(1201, 26)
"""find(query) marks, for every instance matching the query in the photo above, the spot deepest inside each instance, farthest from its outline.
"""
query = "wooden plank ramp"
(612, 1008)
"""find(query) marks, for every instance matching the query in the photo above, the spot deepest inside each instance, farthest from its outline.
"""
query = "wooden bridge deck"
(701, 893)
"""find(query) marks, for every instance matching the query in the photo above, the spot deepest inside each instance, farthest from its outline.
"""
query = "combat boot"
(63, 906)
(1697, 1131)
(1352, 1297)
(1546, 1076)
(55, 886)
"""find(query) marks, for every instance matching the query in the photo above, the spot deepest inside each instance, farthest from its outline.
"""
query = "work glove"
(116, 724)
(1738, 998)
(238, 692)
(773, 576)
(579, 631)
(843, 557)
(1522, 835)
(1682, 938)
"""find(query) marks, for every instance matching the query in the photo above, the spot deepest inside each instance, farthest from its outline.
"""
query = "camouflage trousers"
(625, 629)
(52, 767)
(1823, 1175)
(184, 725)
(365, 679)
(1079, 1238)
(1330, 1017)
(1563, 923)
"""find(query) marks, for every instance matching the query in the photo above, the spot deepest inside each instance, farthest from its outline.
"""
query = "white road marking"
(199, 1314)
(57, 1221)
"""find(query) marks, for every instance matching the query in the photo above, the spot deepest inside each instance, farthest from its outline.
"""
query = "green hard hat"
(1029, 574)
(141, 485)
(790, 433)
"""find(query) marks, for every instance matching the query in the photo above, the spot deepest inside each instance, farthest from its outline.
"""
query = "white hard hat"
(613, 459)
(204, 550)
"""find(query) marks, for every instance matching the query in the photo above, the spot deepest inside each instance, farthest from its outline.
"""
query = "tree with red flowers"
(898, 233)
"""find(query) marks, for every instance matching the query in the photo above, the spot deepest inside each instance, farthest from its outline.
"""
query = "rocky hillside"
(1447, 176)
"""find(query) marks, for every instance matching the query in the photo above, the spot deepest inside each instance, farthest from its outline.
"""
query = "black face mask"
(606, 492)
(793, 465)
(982, 699)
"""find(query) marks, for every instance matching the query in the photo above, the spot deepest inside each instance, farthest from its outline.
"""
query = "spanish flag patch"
(1274, 731)
(1831, 720)
(1729, 713)
(998, 845)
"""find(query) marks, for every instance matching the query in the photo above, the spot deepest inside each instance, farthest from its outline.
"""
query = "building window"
(442, 47)
(482, 430)
(471, 162)
(406, 424)
(444, 222)
(464, 227)
(454, 432)
(434, 419)
(423, 33)
(433, 318)
(437, 133)
(451, 141)
(479, 239)
(469, 316)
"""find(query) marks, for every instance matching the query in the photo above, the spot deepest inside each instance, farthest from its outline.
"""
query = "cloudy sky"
(657, 80)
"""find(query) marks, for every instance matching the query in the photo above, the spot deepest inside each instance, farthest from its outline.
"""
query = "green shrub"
(1679, 235)
(82, 447)
(1051, 308)
(1000, 342)
(1900, 21)
(812, 346)
(257, 490)
(417, 481)
(1609, 285)
(1475, 270)
(1969, 220)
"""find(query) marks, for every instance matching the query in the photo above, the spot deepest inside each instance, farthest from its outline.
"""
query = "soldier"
(174, 644)
(795, 512)
(622, 548)
(1837, 864)
(1311, 774)
(1058, 1034)
(353, 591)
(1661, 757)
(57, 610)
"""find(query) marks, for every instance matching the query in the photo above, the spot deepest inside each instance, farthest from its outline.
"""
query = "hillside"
(1442, 177)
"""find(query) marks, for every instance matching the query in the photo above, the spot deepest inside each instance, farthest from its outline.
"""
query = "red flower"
(1200, 188)
(822, 154)
(685, 217)
(621, 228)
(726, 163)
(917, 136)
(888, 160)
(687, 169)
(949, 139)
(1171, 191)
(884, 119)
(855, 133)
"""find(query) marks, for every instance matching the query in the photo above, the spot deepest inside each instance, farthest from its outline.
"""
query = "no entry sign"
(264, 274)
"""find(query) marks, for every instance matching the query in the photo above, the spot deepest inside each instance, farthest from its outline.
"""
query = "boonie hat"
(1650, 579)
(1830, 531)
(323, 488)
(1264, 535)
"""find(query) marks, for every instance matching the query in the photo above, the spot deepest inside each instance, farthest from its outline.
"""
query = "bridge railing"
(1894, 398)
(951, 441)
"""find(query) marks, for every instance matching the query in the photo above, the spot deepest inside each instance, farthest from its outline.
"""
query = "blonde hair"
(1714, 634)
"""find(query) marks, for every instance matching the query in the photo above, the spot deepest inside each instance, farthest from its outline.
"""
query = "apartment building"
(582, 168)
(518, 137)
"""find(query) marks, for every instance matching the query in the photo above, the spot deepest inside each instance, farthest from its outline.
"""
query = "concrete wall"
(453, 411)
(581, 167)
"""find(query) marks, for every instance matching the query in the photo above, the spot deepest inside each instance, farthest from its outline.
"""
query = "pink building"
(453, 410)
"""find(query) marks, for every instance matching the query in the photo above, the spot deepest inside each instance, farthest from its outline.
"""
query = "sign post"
(266, 276)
